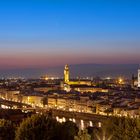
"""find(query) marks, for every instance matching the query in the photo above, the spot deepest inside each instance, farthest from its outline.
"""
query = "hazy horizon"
(79, 70)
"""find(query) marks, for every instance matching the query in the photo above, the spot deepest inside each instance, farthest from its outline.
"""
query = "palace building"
(78, 84)
(74, 82)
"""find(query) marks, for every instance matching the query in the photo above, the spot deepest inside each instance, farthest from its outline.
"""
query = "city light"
(70, 70)
(120, 81)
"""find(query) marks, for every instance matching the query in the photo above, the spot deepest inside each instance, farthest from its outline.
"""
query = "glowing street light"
(120, 81)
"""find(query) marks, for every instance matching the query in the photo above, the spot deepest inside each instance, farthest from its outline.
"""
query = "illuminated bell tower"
(66, 74)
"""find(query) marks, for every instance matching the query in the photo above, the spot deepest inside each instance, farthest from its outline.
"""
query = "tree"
(103, 133)
(42, 127)
(92, 131)
(45, 100)
(132, 128)
(82, 135)
(119, 128)
(69, 130)
(125, 128)
(38, 127)
(7, 130)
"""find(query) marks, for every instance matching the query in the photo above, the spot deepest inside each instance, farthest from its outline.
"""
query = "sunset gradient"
(44, 33)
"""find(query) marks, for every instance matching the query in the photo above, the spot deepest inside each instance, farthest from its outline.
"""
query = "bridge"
(81, 119)
(10, 104)
(78, 115)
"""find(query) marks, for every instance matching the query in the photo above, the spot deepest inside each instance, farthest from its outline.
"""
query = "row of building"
(103, 103)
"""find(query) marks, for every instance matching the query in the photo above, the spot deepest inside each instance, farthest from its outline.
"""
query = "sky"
(47, 33)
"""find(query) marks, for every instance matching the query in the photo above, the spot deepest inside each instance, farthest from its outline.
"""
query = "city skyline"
(69, 69)
(41, 34)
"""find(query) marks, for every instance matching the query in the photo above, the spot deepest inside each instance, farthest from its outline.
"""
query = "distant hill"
(82, 70)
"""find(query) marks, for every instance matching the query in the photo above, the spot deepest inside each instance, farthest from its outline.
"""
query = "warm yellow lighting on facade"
(46, 78)
(66, 74)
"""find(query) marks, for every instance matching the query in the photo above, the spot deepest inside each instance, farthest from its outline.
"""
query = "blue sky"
(42, 33)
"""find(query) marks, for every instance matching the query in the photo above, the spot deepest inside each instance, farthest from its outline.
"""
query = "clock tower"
(66, 74)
